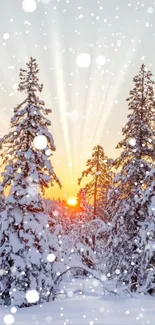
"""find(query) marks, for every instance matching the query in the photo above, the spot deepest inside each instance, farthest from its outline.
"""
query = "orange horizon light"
(72, 201)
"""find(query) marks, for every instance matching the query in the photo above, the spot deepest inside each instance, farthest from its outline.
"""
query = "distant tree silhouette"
(99, 172)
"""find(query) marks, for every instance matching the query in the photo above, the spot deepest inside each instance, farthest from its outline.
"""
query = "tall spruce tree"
(98, 169)
(81, 199)
(128, 204)
(27, 167)
(146, 238)
(28, 171)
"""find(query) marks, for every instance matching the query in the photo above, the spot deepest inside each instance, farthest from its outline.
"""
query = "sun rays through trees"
(107, 232)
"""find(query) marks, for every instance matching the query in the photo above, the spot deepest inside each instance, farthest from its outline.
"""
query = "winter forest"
(109, 236)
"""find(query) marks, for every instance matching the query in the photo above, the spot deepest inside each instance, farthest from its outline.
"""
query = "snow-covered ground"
(91, 308)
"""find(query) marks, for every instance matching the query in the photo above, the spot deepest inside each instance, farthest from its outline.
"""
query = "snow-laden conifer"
(28, 170)
(98, 171)
(129, 202)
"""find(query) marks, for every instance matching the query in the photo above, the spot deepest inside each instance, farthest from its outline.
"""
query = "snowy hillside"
(91, 308)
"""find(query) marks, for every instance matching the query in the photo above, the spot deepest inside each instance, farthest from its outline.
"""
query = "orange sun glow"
(72, 201)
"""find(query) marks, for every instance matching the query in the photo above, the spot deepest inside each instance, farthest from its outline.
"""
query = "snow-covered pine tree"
(28, 171)
(146, 238)
(29, 145)
(85, 211)
(98, 169)
(129, 205)
(81, 199)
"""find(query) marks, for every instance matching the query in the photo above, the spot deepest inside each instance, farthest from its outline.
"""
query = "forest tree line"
(113, 238)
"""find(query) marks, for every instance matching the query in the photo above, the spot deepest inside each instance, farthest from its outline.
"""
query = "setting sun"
(72, 201)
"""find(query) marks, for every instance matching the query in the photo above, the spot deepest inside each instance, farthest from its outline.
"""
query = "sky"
(88, 52)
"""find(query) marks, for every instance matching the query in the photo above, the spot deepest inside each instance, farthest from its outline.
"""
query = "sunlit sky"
(88, 103)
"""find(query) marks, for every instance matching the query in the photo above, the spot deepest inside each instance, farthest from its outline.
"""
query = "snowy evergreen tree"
(28, 171)
(98, 169)
(81, 199)
(127, 208)
(24, 251)
(85, 211)
(28, 146)
(146, 239)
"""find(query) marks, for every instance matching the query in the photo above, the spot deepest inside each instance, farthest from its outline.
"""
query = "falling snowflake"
(8, 319)
(48, 319)
(32, 296)
(101, 60)
(150, 10)
(40, 142)
(132, 142)
(29, 5)
(70, 294)
(6, 36)
(117, 271)
(119, 42)
(26, 22)
(48, 152)
(13, 310)
(51, 257)
(45, 2)
(95, 283)
(83, 60)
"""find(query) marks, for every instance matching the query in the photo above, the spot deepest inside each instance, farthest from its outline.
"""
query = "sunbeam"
(87, 56)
